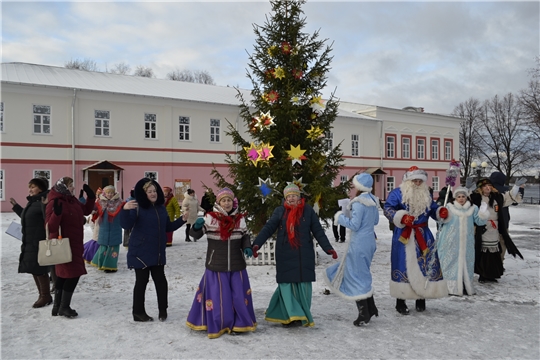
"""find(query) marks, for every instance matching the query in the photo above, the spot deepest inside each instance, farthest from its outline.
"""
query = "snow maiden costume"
(456, 245)
(223, 301)
(351, 278)
(295, 259)
(415, 269)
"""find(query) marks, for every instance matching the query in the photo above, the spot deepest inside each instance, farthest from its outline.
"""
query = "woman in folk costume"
(108, 207)
(223, 301)
(415, 270)
(92, 246)
(295, 222)
(488, 262)
(351, 278)
(190, 204)
(456, 242)
(173, 209)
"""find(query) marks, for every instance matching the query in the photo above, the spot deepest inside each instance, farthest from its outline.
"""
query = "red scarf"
(227, 223)
(293, 214)
(112, 207)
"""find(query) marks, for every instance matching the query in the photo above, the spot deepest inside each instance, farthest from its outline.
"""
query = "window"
(102, 123)
(406, 148)
(344, 179)
(420, 148)
(42, 119)
(2, 116)
(151, 175)
(354, 145)
(435, 183)
(434, 149)
(214, 130)
(390, 146)
(183, 128)
(43, 174)
(150, 126)
(390, 183)
(447, 150)
(1, 184)
(329, 136)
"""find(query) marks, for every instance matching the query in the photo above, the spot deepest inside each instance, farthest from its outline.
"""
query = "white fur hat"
(363, 182)
(461, 189)
(414, 173)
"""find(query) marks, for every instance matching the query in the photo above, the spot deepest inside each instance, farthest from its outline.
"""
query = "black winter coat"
(33, 230)
(295, 265)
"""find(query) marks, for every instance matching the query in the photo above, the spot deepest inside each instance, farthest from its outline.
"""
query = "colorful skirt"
(90, 249)
(290, 302)
(106, 257)
(222, 304)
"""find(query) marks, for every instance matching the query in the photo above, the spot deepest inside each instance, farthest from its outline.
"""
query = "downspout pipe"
(73, 134)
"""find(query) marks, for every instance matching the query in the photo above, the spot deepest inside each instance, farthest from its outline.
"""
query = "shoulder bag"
(54, 251)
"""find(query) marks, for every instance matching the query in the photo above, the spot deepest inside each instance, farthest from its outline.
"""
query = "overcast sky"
(395, 54)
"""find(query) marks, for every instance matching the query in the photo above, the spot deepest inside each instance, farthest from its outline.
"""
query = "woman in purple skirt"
(223, 302)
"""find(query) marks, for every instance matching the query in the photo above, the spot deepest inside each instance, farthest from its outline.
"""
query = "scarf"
(227, 223)
(293, 214)
(112, 206)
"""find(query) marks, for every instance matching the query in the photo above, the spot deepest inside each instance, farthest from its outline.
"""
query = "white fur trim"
(484, 215)
(342, 295)
(398, 216)
(336, 217)
(361, 187)
(444, 221)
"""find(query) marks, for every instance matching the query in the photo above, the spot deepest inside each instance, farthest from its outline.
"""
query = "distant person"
(127, 232)
(191, 206)
(173, 209)
(208, 200)
(92, 245)
(338, 230)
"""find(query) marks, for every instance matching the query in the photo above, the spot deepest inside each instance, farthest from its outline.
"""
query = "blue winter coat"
(351, 278)
(294, 265)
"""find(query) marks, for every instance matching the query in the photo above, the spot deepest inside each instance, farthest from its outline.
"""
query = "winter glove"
(483, 207)
(407, 220)
(333, 253)
(57, 207)
(521, 181)
(89, 192)
(255, 249)
(248, 252)
(443, 213)
(81, 193)
(198, 224)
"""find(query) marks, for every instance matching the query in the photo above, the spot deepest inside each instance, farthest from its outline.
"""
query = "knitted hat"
(462, 190)
(225, 192)
(291, 189)
(166, 188)
(363, 182)
(414, 173)
(482, 182)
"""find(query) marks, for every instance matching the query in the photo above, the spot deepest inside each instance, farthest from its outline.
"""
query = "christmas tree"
(287, 122)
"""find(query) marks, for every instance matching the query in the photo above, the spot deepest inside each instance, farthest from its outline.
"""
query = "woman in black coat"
(33, 230)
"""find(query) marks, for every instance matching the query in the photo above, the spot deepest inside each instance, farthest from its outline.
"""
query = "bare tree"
(120, 68)
(85, 64)
(471, 111)
(144, 71)
(530, 100)
(504, 140)
(201, 77)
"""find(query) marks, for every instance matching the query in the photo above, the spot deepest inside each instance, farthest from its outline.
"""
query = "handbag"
(54, 251)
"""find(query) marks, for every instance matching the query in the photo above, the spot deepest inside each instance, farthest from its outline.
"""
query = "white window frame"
(41, 118)
(149, 120)
(102, 121)
(184, 128)
(354, 144)
(343, 179)
(420, 149)
(215, 129)
(406, 148)
(435, 183)
(2, 176)
(447, 150)
(151, 175)
(42, 173)
(434, 149)
(1, 116)
(390, 183)
(390, 146)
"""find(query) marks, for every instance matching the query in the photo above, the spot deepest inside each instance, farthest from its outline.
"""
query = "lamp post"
(479, 170)
(537, 177)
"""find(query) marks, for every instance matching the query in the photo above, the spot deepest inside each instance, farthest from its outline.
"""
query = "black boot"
(57, 300)
(142, 317)
(372, 308)
(401, 307)
(363, 313)
(421, 305)
(65, 309)
(162, 315)
(42, 282)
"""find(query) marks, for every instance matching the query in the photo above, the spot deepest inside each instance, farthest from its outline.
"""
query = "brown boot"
(42, 282)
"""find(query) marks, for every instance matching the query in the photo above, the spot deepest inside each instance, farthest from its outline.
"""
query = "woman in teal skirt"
(108, 207)
(295, 222)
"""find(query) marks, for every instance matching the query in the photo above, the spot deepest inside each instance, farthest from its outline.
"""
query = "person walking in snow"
(351, 278)
(191, 205)
(173, 209)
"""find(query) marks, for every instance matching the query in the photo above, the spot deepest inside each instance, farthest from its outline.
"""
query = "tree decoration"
(265, 152)
(272, 50)
(252, 153)
(279, 73)
(315, 132)
(265, 188)
(296, 154)
(264, 121)
(286, 47)
(271, 97)
(296, 100)
(297, 74)
(299, 183)
(317, 203)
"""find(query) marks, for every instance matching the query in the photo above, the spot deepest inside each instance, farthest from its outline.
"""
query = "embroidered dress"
(110, 233)
(456, 247)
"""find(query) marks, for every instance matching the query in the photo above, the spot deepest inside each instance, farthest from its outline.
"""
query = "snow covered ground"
(501, 321)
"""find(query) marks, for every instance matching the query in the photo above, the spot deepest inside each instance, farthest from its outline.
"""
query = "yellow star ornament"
(296, 154)
(265, 152)
(314, 132)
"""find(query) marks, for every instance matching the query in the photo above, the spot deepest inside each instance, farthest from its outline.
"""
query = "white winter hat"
(414, 173)
(462, 190)
(363, 182)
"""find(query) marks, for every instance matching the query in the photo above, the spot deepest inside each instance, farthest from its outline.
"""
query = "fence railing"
(531, 200)
(267, 254)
